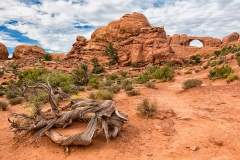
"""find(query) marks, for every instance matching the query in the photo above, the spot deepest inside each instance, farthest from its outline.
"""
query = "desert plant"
(221, 72)
(47, 57)
(232, 77)
(213, 63)
(134, 64)
(190, 83)
(238, 60)
(114, 88)
(133, 93)
(14, 101)
(102, 95)
(80, 75)
(124, 74)
(196, 59)
(3, 105)
(150, 85)
(112, 54)
(95, 83)
(188, 72)
(127, 85)
(10, 95)
(1, 73)
(97, 68)
(147, 108)
(112, 77)
(164, 73)
(2, 93)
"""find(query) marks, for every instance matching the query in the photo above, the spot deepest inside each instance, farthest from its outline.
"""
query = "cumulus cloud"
(54, 24)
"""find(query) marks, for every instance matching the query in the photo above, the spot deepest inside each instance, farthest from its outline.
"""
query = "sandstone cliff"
(3, 52)
(132, 36)
(24, 51)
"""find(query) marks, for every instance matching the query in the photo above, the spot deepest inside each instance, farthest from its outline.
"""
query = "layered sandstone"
(132, 36)
(181, 45)
(231, 39)
(3, 52)
(25, 51)
(58, 56)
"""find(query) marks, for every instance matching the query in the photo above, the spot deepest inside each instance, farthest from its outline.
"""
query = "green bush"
(47, 57)
(221, 72)
(112, 77)
(15, 101)
(124, 74)
(150, 85)
(196, 59)
(191, 83)
(80, 75)
(134, 64)
(33, 75)
(102, 95)
(213, 63)
(133, 93)
(3, 105)
(10, 95)
(1, 73)
(97, 68)
(164, 74)
(232, 77)
(95, 83)
(147, 108)
(112, 54)
(2, 93)
(114, 89)
(238, 60)
(127, 85)
(188, 72)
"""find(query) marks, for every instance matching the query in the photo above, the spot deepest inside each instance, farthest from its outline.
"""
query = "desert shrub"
(124, 74)
(14, 101)
(238, 60)
(3, 105)
(221, 72)
(150, 85)
(97, 68)
(2, 93)
(33, 75)
(196, 59)
(14, 66)
(1, 73)
(232, 77)
(10, 95)
(147, 108)
(102, 95)
(127, 85)
(196, 71)
(237, 54)
(188, 72)
(190, 83)
(80, 75)
(217, 53)
(108, 83)
(47, 57)
(143, 77)
(4, 83)
(134, 64)
(213, 63)
(112, 77)
(164, 73)
(81, 89)
(133, 93)
(114, 89)
(112, 54)
(95, 83)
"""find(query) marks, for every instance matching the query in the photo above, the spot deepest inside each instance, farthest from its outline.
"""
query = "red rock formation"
(24, 51)
(58, 56)
(132, 36)
(3, 52)
(181, 45)
(230, 38)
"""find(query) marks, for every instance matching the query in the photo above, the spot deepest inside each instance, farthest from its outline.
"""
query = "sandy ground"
(197, 124)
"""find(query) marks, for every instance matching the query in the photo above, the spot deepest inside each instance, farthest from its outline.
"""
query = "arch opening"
(196, 43)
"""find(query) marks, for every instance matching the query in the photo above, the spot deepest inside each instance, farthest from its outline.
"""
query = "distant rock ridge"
(25, 51)
(137, 41)
(3, 52)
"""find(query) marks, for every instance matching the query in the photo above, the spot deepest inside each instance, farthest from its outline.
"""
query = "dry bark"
(101, 115)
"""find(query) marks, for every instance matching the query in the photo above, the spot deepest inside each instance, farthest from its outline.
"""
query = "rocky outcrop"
(181, 45)
(58, 56)
(132, 36)
(231, 39)
(3, 52)
(28, 51)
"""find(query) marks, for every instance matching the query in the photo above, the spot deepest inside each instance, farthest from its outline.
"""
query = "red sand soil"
(199, 123)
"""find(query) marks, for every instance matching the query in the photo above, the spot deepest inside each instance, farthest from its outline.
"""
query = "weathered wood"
(102, 113)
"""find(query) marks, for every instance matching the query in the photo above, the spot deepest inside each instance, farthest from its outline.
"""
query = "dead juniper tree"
(101, 115)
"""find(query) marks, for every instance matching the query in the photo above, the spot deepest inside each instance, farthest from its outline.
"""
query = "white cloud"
(216, 18)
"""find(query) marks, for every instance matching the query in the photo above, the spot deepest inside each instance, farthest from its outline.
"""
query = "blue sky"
(54, 24)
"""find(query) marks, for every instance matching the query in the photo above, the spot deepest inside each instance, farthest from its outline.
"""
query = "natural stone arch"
(196, 40)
